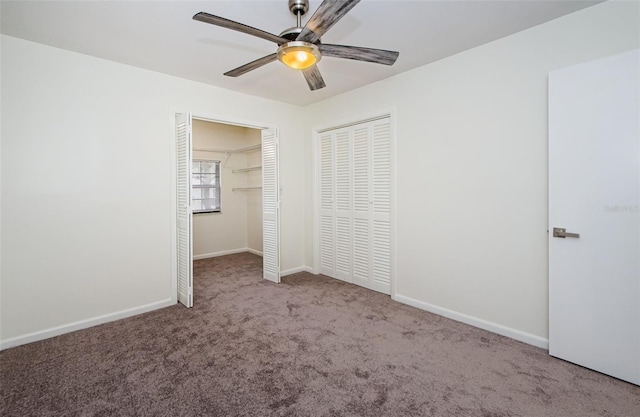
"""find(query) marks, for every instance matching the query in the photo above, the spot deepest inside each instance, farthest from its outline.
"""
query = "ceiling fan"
(300, 47)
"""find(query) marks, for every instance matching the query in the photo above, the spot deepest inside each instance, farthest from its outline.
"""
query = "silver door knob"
(562, 233)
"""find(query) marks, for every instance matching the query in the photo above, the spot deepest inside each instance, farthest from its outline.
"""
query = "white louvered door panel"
(381, 216)
(270, 206)
(327, 235)
(343, 269)
(361, 205)
(183, 209)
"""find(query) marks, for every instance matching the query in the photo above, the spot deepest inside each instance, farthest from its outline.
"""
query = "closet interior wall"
(238, 226)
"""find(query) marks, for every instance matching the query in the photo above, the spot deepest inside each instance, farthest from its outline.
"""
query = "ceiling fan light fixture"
(298, 54)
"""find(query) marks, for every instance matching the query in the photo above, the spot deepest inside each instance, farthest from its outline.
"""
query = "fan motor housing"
(291, 33)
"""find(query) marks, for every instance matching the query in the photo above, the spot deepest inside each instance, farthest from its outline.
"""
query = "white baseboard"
(82, 324)
(296, 270)
(476, 322)
(221, 253)
(255, 252)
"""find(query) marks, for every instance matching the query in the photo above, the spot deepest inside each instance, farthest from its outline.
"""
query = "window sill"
(208, 212)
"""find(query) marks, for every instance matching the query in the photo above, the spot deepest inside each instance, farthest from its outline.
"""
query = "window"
(205, 186)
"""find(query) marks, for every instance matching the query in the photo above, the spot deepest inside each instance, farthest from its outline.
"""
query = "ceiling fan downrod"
(299, 8)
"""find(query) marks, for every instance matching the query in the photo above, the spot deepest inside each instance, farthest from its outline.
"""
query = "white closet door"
(270, 206)
(342, 214)
(327, 243)
(380, 278)
(184, 213)
(355, 204)
(361, 205)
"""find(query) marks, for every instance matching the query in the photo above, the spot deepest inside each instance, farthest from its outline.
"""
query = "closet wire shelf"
(246, 188)
(235, 171)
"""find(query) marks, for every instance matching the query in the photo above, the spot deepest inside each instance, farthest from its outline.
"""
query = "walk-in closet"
(226, 189)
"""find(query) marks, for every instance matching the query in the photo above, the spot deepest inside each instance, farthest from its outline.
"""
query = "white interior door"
(183, 209)
(594, 191)
(355, 177)
(327, 229)
(381, 180)
(362, 202)
(343, 213)
(270, 206)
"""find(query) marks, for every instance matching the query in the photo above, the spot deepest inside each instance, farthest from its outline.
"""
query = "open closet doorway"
(227, 198)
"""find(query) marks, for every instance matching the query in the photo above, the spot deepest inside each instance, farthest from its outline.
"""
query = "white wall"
(471, 189)
(87, 185)
(231, 229)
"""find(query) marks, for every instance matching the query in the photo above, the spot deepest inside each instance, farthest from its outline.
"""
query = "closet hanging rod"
(247, 149)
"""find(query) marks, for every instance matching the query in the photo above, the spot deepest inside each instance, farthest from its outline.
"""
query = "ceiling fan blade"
(313, 77)
(379, 56)
(251, 66)
(329, 12)
(230, 24)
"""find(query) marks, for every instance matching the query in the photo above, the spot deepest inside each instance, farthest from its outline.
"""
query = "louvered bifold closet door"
(327, 234)
(270, 206)
(356, 204)
(381, 207)
(183, 210)
(342, 214)
(361, 205)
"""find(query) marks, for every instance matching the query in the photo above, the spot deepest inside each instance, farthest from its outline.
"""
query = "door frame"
(315, 196)
(207, 117)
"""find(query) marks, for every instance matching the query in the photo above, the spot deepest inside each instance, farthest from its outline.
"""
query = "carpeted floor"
(311, 346)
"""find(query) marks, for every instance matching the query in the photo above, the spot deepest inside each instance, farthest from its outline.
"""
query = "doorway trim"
(208, 117)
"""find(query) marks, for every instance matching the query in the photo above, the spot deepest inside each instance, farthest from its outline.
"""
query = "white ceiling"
(161, 36)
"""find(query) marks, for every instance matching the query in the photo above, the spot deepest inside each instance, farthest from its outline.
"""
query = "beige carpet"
(311, 346)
